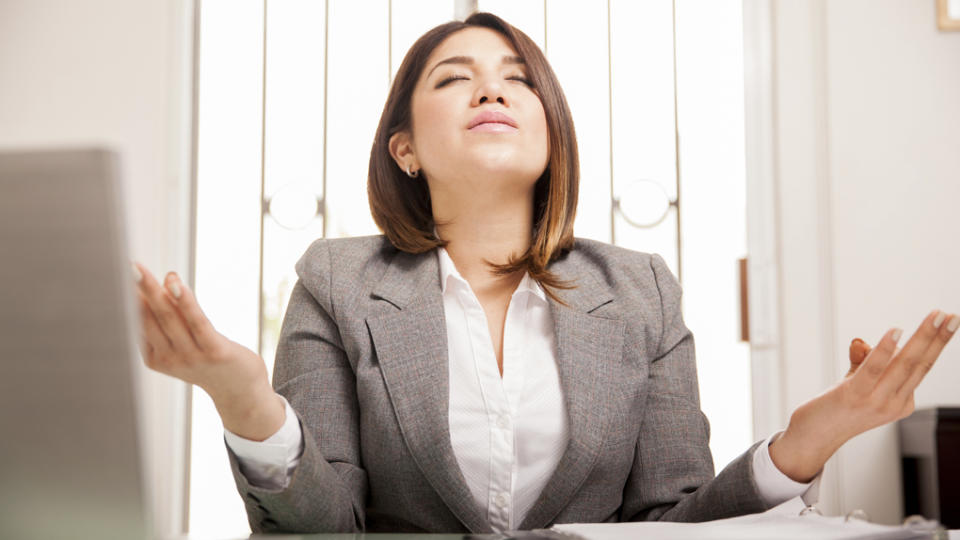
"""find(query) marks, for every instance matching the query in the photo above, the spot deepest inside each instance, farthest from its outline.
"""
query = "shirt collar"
(449, 271)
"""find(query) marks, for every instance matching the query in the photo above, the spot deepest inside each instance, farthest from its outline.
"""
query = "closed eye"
(452, 78)
(448, 80)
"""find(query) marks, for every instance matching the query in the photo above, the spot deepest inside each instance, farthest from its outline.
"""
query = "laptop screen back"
(70, 451)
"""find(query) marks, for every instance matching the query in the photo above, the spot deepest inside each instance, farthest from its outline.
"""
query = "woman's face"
(475, 71)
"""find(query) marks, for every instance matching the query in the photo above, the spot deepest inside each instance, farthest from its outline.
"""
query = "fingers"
(947, 328)
(156, 344)
(872, 368)
(197, 323)
(148, 351)
(912, 356)
(858, 352)
(167, 318)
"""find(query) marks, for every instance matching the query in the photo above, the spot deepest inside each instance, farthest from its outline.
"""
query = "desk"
(953, 535)
(358, 536)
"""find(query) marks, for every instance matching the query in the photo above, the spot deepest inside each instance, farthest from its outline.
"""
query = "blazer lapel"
(411, 347)
(588, 350)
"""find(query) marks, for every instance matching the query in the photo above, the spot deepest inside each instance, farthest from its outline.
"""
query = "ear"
(401, 150)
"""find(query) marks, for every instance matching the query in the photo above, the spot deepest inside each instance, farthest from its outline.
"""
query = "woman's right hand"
(178, 340)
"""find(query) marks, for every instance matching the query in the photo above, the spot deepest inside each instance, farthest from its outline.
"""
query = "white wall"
(867, 172)
(117, 73)
(866, 168)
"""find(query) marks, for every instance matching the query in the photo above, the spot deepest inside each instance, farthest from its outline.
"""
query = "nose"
(489, 90)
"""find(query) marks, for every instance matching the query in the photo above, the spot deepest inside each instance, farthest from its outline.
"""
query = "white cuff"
(776, 487)
(270, 463)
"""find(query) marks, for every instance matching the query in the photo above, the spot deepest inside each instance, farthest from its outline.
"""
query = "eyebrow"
(469, 61)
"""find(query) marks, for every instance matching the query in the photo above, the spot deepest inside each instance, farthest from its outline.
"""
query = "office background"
(851, 176)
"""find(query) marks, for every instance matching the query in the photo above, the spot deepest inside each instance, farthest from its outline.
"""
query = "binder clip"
(856, 514)
(917, 522)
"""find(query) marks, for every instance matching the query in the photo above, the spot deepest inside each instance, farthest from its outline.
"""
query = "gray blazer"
(362, 359)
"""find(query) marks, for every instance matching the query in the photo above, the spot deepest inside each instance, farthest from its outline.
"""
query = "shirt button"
(501, 500)
(503, 422)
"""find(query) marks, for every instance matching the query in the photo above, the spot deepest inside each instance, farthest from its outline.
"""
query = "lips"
(492, 117)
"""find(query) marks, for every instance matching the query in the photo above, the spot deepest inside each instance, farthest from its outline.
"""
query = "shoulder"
(604, 255)
(333, 264)
(643, 288)
(345, 254)
(616, 263)
(632, 276)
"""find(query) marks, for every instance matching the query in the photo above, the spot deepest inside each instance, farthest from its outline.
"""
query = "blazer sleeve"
(328, 488)
(672, 478)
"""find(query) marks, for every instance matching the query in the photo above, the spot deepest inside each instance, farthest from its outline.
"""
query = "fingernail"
(953, 324)
(137, 276)
(938, 320)
(174, 288)
(896, 334)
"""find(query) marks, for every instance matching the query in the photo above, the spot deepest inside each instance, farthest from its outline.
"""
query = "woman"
(475, 368)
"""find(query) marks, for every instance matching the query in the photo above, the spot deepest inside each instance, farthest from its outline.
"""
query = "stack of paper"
(772, 524)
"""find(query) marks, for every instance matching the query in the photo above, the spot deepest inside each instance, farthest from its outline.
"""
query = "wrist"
(801, 451)
(256, 414)
(793, 461)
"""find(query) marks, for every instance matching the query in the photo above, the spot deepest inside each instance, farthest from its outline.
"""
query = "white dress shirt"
(508, 433)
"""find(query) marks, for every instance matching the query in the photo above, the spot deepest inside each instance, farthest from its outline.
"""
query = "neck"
(491, 230)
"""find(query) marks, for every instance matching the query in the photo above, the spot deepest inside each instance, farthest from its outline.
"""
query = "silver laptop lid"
(70, 451)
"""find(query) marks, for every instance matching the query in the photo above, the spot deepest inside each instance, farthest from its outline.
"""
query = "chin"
(501, 161)
(508, 171)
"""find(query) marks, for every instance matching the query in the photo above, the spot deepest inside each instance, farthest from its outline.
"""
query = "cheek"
(432, 114)
(432, 125)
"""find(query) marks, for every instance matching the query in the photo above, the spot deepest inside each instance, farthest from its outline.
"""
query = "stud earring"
(413, 174)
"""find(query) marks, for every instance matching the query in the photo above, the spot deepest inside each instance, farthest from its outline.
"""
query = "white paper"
(782, 522)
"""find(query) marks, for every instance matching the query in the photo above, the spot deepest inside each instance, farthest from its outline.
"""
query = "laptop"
(71, 458)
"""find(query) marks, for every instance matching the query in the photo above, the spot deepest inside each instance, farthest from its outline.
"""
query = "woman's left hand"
(877, 390)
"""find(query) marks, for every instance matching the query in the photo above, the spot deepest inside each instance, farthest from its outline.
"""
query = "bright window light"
(291, 92)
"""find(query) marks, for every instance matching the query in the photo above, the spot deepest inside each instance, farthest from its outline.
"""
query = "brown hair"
(402, 209)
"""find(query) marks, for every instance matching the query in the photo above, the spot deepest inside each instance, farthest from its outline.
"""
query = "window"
(290, 94)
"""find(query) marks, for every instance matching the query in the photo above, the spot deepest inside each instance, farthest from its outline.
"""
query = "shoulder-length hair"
(402, 209)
